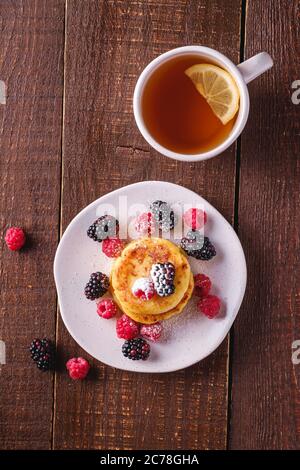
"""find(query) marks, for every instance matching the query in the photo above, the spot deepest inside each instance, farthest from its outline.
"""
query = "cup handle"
(258, 64)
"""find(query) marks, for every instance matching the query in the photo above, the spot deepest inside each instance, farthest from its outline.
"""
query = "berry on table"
(195, 218)
(198, 246)
(202, 285)
(152, 332)
(164, 215)
(42, 353)
(210, 306)
(78, 368)
(163, 274)
(104, 227)
(127, 328)
(15, 238)
(136, 349)
(97, 286)
(143, 288)
(145, 224)
(112, 247)
(107, 308)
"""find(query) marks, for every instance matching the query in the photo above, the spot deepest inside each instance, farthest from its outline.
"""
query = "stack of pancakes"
(135, 262)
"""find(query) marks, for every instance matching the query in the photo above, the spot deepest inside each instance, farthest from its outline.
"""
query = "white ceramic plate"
(189, 337)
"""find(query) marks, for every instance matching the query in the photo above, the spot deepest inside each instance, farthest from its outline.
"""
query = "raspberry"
(127, 328)
(78, 368)
(112, 247)
(42, 352)
(164, 215)
(195, 218)
(152, 332)
(97, 286)
(202, 285)
(136, 349)
(143, 288)
(145, 224)
(210, 306)
(163, 275)
(198, 246)
(107, 308)
(104, 227)
(15, 238)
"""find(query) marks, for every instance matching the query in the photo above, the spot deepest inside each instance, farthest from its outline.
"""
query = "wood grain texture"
(108, 43)
(31, 65)
(266, 385)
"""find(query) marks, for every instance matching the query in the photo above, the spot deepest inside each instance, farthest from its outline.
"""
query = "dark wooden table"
(68, 136)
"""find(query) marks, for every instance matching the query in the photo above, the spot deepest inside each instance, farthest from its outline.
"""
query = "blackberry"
(104, 227)
(164, 215)
(42, 352)
(163, 275)
(198, 246)
(97, 286)
(136, 349)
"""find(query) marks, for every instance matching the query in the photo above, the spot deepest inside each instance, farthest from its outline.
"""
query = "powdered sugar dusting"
(177, 326)
(143, 285)
(152, 332)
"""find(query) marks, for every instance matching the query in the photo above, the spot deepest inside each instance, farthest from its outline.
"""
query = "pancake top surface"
(136, 261)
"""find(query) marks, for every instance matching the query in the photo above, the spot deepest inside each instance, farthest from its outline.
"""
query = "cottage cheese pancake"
(135, 262)
(149, 319)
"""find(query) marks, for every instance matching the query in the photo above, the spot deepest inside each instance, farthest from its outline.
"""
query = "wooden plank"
(266, 394)
(31, 65)
(108, 44)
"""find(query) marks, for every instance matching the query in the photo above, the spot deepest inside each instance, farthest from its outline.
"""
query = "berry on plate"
(104, 227)
(143, 288)
(164, 215)
(198, 246)
(127, 328)
(136, 349)
(145, 224)
(195, 218)
(42, 353)
(163, 275)
(210, 306)
(107, 308)
(15, 238)
(97, 286)
(78, 368)
(152, 332)
(112, 247)
(202, 285)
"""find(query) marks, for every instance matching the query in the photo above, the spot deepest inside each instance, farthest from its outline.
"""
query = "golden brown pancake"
(135, 262)
(149, 319)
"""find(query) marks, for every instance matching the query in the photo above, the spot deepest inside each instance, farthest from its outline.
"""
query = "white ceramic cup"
(242, 73)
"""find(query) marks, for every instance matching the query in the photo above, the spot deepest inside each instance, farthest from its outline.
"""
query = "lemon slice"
(218, 88)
